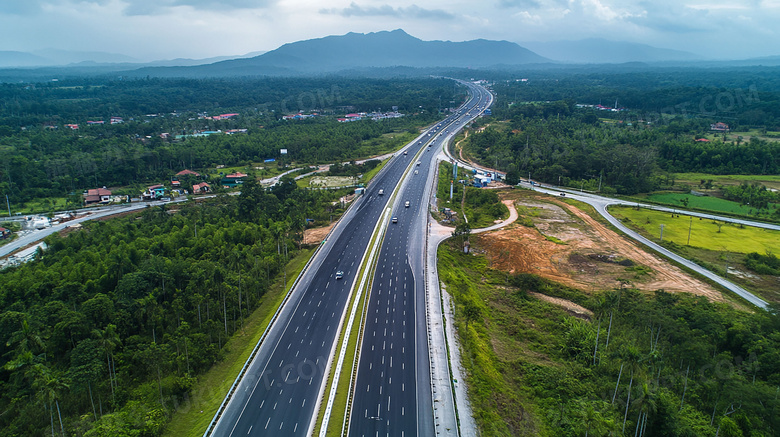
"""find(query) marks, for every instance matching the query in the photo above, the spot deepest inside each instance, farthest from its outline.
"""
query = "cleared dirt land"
(562, 243)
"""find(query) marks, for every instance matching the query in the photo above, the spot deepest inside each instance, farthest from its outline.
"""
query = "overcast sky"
(164, 29)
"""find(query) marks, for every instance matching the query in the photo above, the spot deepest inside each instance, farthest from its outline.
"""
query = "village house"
(719, 127)
(202, 187)
(233, 180)
(4, 233)
(97, 195)
(188, 172)
(153, 192)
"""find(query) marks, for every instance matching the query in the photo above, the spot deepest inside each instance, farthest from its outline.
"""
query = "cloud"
(413, 11)
(153, 7)
(523, 4)
(671, 18)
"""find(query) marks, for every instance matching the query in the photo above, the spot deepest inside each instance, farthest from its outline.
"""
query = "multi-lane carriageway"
(279, 392)
(392, 389)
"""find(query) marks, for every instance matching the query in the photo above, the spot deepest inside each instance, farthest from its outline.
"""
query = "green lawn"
(211, 388)
(702, 202)
(694, 179)
(704, 233)
(41, 206)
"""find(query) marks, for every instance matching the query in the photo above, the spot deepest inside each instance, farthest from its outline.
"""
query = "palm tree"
(48, 386)
(647, 405)
(109, 340)
(632, 356)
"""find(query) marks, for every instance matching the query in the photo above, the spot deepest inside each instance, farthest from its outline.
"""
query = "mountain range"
(352, 51)
(379, 53)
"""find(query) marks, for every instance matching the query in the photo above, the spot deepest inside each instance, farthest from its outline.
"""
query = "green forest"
(557, 143)
(107, 332)
(43, 162)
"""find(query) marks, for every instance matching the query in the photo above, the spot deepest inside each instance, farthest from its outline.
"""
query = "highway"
(280, 391)
(392, 390)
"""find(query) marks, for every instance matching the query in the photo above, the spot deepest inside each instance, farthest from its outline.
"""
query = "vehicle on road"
(406, 205)
(395, 219)
(405, 152)
(381, 192)
(563, 194)
(417, 172)
(418, 163)
(339, 274)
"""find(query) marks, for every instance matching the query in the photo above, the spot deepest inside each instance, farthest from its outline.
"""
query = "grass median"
(212, 386)
(341, 399)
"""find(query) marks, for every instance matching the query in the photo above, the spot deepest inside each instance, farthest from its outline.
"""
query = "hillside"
(357, 50)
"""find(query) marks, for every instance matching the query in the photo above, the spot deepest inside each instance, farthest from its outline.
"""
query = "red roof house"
(202, 187)
(97, 195)
(187, 172)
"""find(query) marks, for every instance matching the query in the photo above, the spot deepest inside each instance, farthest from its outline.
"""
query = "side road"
(452, 410)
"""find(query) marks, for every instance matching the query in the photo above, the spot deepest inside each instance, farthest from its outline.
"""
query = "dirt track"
(568, 246)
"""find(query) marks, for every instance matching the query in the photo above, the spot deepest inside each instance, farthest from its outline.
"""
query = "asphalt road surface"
(279, 392)
(392, 393)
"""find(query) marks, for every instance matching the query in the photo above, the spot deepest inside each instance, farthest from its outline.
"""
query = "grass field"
(694, 179)
(704, 233)
(211, 388)
(44, 205)
(701, 202)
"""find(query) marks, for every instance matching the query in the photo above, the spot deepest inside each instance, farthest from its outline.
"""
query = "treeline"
(80, 99)
(555, 142)
(106, 333)
(747, 97)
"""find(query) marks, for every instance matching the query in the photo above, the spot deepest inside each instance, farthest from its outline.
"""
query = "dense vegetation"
(43, 162)
(655, 365)
(108, 331)
(743, 97)
(554, 140)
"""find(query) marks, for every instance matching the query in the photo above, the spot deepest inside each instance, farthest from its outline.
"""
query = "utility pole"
(689, 231)
(8, 204)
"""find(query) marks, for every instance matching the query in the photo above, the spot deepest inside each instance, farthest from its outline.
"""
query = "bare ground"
(316, 235)
(566, 245)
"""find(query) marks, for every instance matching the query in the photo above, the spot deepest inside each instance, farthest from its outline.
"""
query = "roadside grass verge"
(503, 335)
(212, 386)
(373, 172)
